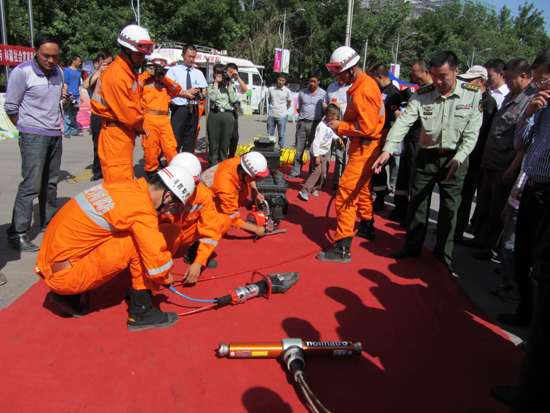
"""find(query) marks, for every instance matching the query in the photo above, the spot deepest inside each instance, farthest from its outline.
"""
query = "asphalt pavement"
(476, 277)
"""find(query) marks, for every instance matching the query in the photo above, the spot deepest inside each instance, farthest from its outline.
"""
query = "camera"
(237, 105)
(200, 96)
(159, 72)
(225, 77)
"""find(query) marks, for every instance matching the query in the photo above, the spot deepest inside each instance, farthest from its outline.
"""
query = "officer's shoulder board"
(469, 86)
(425, 89)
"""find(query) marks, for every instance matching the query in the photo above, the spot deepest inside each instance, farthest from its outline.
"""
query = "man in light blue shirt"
(185, 110)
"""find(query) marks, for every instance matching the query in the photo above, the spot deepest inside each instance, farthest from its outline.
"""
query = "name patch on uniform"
(458, 107)
(428, 113)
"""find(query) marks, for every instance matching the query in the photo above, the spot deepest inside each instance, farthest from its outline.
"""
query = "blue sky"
(513, 5)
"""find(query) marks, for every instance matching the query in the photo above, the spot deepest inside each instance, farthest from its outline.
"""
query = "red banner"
(14, 55)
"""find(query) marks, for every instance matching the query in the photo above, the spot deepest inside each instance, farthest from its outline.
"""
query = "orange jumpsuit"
(199, 221)
(227, 188)
(155, 100)
(363, 122)
(117, 99)
(102, 230)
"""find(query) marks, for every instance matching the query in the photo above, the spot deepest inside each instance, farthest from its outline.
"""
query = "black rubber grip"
(225, 300)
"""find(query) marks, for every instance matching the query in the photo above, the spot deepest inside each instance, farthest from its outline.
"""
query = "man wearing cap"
(450, 112)
(476, 75)
(501, 161)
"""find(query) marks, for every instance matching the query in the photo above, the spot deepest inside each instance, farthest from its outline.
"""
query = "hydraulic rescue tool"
(292, 352)
(271, 284)
(263, 216)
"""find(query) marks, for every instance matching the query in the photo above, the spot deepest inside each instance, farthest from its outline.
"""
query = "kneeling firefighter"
(362, 123)
(107, 228)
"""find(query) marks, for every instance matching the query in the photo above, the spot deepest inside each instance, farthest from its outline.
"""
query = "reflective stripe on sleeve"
(209, 241)
(99, 99)
(90, 211)
(234, 215)
(192, 208)
(160, 270)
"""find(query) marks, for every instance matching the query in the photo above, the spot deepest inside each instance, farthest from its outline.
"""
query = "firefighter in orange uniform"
(200, 222)
(107, 228)
(155, 97)
(117, 99)
(229, 181)
(363, 122)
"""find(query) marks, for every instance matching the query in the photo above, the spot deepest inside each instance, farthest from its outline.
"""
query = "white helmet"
(190, 162)
(136, 38)
(169, 63)
(156, 59)
(342, 59)
(255, 165)
(178, 180)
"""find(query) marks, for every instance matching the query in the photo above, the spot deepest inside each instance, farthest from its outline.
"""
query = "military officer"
(450, 111)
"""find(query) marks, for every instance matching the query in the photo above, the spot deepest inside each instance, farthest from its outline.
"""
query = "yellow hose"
(287, 155)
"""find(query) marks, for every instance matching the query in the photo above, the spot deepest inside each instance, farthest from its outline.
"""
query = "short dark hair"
(380, 69)
(157, 183)
(422, 65)
(332, 108)
(219, 68)
(442, 58)
(104, 55)
(314, 73)
(42, 38)
(283, 75)
(232, 66)
(75, 56)
(496, 64)
(96, 60)
(542, 60)
(187, 47)
(517, 65)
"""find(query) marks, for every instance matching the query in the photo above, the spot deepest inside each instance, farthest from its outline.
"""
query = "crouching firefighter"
(362, 122)
(200, 222)
(107, 228)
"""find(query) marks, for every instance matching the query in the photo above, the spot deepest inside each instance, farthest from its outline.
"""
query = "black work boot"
(340, 253)
(70, 304)
(191, 255)
(143, 316)
(366, 229)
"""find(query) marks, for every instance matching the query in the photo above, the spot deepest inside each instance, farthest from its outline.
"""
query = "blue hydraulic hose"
(171, 288)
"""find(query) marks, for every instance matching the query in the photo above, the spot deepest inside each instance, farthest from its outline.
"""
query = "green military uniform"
(450, 127)
(220, 121)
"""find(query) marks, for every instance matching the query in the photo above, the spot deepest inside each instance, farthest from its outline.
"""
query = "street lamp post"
(397, 45)
(284, 26)
(474, 55)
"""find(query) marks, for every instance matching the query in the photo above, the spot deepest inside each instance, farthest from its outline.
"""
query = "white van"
(207, 57)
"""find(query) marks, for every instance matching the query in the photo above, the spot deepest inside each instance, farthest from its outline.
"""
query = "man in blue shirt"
(72, 83)
(185, 107)
(32, 104)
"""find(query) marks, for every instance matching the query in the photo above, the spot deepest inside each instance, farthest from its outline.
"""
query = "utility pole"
(349, 24)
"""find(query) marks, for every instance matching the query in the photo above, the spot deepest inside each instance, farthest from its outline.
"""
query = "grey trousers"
(305, 133)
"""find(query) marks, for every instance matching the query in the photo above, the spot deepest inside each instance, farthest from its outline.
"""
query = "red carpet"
(427, 347)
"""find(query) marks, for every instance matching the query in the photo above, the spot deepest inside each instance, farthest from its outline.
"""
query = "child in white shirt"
(319, 150)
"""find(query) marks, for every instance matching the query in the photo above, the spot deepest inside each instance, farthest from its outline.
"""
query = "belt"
(157, 112)
(306, 120)
(221, 110)
(61, 265)
(538, 185)
(112, 124)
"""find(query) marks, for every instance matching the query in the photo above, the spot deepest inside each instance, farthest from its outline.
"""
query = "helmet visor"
(145, 46)
(334, 68)
(261, 175)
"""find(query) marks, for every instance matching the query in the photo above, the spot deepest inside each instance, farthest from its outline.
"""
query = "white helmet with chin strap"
(136, 38)
(179, 181)
(156, 59)
(190, 162)
(255, 165)
(342, 59)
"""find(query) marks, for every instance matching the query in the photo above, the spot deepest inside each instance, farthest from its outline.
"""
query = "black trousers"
(235, 137)
(533, 208)
(404, 178)
(95, 126)
(185, 120)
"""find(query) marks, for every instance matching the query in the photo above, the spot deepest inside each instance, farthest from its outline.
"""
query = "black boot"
(191, 255)
(378, 204)
(340, 253)
(366, 229)
(70, 304)
(143, 316)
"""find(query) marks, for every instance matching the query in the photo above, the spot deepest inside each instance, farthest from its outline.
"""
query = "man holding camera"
(71, 85)
(240, 87)
(184, 107)
(157, 90)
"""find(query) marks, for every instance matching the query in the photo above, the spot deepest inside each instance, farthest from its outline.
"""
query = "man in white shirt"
(336, 93)
(184, 108)
(280, 99)
(495, 81)
(240, 87)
